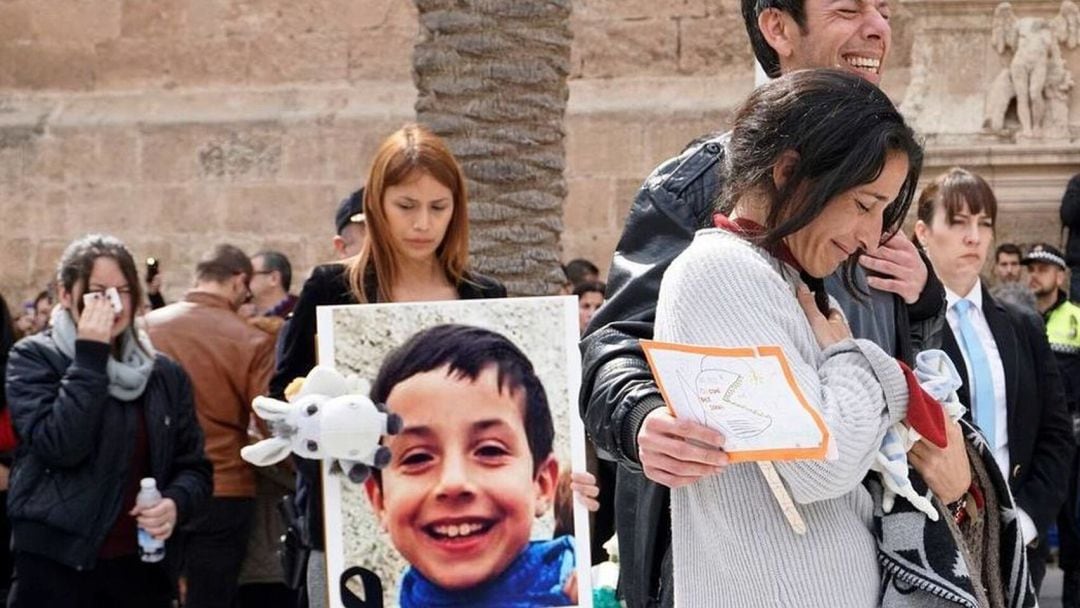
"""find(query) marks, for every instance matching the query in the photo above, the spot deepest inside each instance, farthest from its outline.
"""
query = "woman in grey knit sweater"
(821, 168)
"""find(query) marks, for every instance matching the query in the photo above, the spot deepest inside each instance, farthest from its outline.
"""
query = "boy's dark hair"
(842, 128)
(577, 269)
(222, 263)
(469, 350)
(590, 287)
(277, 261)
(1008, 249)
(765, 54)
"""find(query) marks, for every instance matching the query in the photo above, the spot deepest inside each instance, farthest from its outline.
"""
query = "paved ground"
(1051, 589)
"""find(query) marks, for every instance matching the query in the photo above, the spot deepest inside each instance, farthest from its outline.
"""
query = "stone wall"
(176, 124)
(180, 123)
(648, 78)
(1028, 172)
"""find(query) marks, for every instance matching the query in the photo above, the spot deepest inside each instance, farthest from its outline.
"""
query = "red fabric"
(8, 439)
(977, 496)
(122, 538)
(741, 225)
(925, 413)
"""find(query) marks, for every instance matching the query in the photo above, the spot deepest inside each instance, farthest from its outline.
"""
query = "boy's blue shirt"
(535, 578)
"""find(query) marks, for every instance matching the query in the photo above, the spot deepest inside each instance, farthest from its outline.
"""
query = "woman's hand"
(676, 452)
(96, 320)
(159, 520)
(828, 331)
(586, 490)
(903, 267)
(946, 470)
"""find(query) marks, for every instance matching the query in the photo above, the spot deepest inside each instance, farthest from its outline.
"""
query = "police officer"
(1046, 278)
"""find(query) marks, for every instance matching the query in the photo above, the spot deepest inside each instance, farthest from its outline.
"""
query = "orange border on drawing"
(815, 453)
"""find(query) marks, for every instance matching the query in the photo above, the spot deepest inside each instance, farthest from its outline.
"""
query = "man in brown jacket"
(230, 363)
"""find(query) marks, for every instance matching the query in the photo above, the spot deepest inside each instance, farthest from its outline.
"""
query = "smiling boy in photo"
(471, 470)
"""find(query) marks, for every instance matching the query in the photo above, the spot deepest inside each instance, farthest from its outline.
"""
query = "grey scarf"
(128, 375)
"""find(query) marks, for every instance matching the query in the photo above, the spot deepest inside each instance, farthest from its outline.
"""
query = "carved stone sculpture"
(1058, 84)
(1037, 76)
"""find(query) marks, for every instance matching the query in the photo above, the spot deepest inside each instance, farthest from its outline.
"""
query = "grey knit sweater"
(732, 545)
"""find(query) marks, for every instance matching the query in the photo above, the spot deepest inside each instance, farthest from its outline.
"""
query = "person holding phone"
(96, 410)
(153, 284)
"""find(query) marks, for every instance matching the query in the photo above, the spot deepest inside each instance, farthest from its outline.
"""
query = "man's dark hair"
(469, 351)
(277, 261)
(222, 263)
(577, 269)
(765, 54)
(842, 128)
(1008, 249)
(589, 287)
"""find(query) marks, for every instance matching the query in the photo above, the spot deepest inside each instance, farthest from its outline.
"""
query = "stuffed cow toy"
(330, 418)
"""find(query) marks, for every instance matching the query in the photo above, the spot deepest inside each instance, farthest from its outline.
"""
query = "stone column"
(492, 80)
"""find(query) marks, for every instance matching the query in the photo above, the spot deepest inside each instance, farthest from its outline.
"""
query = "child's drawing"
(748, 394)
(724, 396)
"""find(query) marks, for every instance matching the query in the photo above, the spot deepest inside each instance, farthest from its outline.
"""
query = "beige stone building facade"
(177, 124)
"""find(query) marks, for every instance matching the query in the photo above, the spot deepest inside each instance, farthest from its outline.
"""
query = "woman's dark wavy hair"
(841, 126)
(77, 263)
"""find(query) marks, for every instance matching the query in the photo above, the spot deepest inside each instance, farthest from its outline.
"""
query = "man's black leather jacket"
(617, 389)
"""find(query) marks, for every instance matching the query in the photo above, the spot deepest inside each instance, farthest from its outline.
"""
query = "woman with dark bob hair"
(96, 411)
(1012, 384)
(822, 168)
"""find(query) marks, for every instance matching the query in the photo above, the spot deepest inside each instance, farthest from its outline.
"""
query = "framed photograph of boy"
(474, 507)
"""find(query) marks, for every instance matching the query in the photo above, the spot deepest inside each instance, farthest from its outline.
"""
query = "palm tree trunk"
(492, 81)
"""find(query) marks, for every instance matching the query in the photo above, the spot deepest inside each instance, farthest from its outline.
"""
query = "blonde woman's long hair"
(411, 150)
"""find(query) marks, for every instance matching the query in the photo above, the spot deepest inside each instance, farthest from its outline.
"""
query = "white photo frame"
(355, 339)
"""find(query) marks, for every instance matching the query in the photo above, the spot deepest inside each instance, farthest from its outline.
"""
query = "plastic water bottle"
(150, 548)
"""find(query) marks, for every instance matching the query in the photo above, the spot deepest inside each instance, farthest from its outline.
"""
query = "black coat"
(328, 286)
(1041, 444)
(76, 444)
(617, 388)
(1070, 218)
